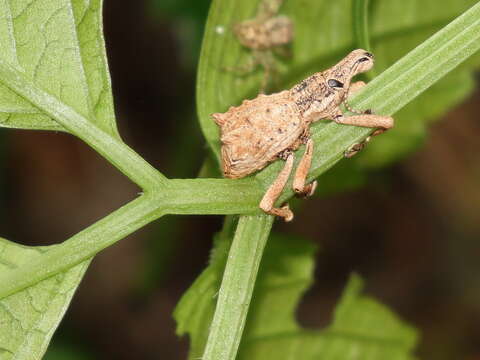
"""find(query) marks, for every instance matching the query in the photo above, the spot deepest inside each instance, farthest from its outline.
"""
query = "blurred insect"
(264, 35)
(273, 126)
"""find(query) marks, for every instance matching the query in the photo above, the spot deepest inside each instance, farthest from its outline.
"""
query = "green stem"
(237, 287)
(360, 24)
(83, 245)
(111, 148)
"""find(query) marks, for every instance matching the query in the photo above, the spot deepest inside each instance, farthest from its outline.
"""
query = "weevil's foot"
(356, 148)
(283, 212)
(378, 131)
(368, 112)
(288, 214)
(307, 191)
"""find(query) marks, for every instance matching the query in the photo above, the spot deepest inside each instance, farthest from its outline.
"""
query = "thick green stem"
(83, 245)
(237, 286)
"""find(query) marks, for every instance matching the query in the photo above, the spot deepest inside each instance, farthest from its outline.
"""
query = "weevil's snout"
(361, 60)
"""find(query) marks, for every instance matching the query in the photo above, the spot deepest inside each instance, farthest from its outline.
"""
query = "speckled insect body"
(269, 127)
(250, 139)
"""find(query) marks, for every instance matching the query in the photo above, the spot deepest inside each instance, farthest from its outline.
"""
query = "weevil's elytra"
(269, 127)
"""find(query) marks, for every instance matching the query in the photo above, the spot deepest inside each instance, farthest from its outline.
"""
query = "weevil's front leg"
(274, 191)
(366, 120)
(302, 171)
(382, 123)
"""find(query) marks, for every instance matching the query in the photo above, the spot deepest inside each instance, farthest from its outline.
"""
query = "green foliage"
(53, 75)
(29, 317)
(361, 328)
(58, 45)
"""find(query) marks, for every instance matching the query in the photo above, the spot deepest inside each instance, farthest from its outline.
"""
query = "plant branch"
(237, 287)
(83, 245)
(111, 148)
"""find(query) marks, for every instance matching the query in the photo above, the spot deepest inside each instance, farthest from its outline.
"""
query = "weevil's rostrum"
(273, 126)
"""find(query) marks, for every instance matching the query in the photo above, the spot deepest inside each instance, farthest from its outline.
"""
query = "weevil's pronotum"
(265, 33)
(273, 126)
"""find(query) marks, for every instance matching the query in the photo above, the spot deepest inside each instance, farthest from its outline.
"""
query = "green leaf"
(58, 45)
(362, 328)
(29, 317)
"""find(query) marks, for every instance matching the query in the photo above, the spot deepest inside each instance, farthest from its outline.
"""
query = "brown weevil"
(269, 127)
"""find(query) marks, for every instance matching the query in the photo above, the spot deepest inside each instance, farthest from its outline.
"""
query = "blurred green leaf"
(59, 46)
(29, 317)
(362, 328)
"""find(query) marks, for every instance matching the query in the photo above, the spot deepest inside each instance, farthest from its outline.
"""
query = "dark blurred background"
(413, 232)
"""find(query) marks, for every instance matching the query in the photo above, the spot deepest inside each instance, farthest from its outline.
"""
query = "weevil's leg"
(366, 120)
(274, 191)
(265, 58)
(356, 148)
(284, 51)
(302, 171)
(383, 123)
(245, 69)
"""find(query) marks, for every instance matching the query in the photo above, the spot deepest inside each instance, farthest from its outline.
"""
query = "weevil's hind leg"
(302, 171)
(274, 191)
(267, 61)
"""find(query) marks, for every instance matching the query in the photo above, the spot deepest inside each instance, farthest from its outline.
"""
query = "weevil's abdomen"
(254, 133)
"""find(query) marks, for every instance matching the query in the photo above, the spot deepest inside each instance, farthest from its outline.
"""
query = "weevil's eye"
(369, 54)
(363, 59)
(334, 83)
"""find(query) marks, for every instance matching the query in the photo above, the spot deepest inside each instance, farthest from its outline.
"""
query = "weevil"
(263, 35)
(269, 127)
